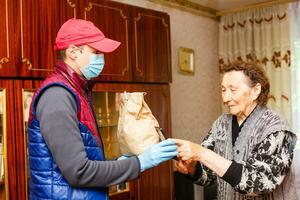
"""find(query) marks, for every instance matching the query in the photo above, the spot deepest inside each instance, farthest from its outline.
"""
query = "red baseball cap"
(80, 32)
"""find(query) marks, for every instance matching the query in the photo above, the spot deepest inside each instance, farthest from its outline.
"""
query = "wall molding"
(198, 9)
(189, 6)
(253, 6)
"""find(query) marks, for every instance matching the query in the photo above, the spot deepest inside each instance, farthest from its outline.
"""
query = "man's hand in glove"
(157, 154)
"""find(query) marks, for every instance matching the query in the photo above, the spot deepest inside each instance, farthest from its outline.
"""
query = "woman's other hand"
(186, 167)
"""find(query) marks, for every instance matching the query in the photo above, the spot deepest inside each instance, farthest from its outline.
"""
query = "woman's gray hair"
(255, 73)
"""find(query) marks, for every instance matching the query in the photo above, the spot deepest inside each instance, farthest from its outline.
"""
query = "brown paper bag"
(137, 127)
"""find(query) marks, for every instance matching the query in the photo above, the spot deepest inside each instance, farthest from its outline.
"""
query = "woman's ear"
(256, 90)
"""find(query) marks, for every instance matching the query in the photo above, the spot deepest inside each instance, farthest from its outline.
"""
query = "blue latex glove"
(157, 154)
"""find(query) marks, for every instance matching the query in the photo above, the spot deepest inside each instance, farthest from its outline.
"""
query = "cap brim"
(105, 45)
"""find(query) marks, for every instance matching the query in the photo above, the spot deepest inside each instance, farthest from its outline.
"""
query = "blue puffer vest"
(46, 180)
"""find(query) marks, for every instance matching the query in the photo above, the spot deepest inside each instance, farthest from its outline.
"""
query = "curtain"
(295, 55)
(261, 35)
(295, 68)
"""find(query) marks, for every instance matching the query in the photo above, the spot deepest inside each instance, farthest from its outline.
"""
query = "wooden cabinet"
(7, 48)
(152, 48)
(114, 21)
(28, 36)
(156, 183)
(141, 63)
(30, 28)
(10, 167)
(37, 24)
(21, 105)
(145, 51)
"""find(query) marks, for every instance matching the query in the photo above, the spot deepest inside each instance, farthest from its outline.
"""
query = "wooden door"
(156, 183)
(7, 48)
(23, 90)
(112, 19)
(36, 25)
(10, 169)
(151, 46)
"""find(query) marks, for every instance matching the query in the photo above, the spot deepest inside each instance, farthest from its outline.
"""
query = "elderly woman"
(247, 151)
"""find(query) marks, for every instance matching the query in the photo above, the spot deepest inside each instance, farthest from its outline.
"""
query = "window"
(295, 68)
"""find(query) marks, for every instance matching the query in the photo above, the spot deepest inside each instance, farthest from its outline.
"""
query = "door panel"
(7, 48)
(152, 48)
(36, 27)
(9, 185)
(23, 92)
(113, 20)
(156, 183)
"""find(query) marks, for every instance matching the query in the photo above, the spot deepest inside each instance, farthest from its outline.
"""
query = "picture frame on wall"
(186, 60)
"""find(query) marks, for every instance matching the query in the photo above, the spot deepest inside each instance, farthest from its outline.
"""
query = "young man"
(65, 150)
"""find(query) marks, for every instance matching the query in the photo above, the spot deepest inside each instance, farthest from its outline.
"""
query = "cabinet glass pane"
(106, 105)
(27, 97)
(107, 113)
(3, 164)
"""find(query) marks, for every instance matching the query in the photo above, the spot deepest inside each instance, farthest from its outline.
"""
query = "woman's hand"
(186, 167)
(188, 150)
(191, 151)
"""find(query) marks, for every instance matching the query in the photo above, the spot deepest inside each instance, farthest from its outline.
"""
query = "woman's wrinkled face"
(237, 94)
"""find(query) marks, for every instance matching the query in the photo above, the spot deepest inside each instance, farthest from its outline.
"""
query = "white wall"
(195, 100)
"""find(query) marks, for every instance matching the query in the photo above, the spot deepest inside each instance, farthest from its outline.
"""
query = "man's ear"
(71, 52)
(256, 90)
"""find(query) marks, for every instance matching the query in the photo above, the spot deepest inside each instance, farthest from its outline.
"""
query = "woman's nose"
(225, 97)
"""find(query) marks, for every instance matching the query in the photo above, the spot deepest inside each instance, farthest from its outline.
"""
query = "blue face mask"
(94, 68)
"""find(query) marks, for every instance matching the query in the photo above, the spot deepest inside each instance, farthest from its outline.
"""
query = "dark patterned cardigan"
(264, 147)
